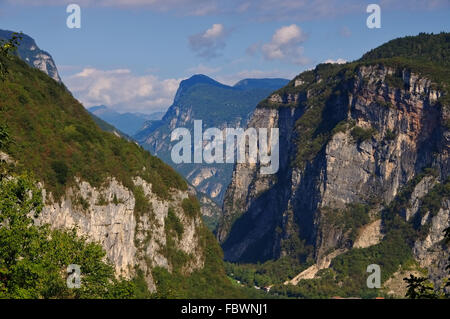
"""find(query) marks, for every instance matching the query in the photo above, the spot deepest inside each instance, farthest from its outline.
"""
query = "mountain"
(137, 208)
(363, 178)
(129, 123)
(29, 52)
(217, 105)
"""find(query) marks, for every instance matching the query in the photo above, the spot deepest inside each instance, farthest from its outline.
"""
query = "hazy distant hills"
(129, 123)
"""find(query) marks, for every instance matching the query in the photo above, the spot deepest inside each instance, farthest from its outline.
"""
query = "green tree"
(7, 48)
(5, 138)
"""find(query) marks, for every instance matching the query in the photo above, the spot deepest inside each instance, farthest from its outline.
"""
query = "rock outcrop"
(132, 241)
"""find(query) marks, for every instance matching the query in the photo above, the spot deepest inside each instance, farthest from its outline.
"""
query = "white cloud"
(207, 44)
(216, 31)
(338, 61)
(284, 46)
(121, 90)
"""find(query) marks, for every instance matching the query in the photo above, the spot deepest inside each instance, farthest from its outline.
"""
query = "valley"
(363, 179)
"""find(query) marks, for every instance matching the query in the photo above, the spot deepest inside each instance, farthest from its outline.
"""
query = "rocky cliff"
(355, 141)
(133, 240)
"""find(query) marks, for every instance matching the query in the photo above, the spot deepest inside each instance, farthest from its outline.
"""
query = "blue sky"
(132, 54)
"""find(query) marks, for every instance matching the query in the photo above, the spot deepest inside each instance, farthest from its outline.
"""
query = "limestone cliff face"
(132, 240)
(380, 127)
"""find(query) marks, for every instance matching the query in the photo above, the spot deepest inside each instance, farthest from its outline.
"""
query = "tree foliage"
(7, 48)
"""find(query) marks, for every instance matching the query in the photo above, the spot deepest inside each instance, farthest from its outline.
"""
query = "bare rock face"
(381, 127)
(132, 240)
(369, 235)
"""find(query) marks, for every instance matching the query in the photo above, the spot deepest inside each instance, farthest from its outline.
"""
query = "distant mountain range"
(217, 105)
(129, 123)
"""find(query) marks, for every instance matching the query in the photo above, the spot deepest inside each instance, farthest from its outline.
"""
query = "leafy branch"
(7, 49)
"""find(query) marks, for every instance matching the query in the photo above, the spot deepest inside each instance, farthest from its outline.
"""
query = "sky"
(132, 54)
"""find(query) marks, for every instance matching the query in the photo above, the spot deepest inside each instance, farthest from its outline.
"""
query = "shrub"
(5, 138)
(390, 135)
(172, 222)
(191, 206)
(61, 171)
(360, 134)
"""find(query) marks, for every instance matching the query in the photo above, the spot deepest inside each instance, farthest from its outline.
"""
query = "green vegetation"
(432, 201)
(34, 259)
(423, 48)
(209, 282)
(173, 223)
(5, 138)
(142, 204)
(352, 218)
(211, 222)
(265, 274)
(180, 281)
(191, 206)
(347, 274)
(101, 201)
(327, 88)
(360, 134)
(7, 49)
(395, 81)
(390, 135)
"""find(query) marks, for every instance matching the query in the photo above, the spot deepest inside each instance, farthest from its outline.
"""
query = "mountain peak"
(199, 79)
(194, 80)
